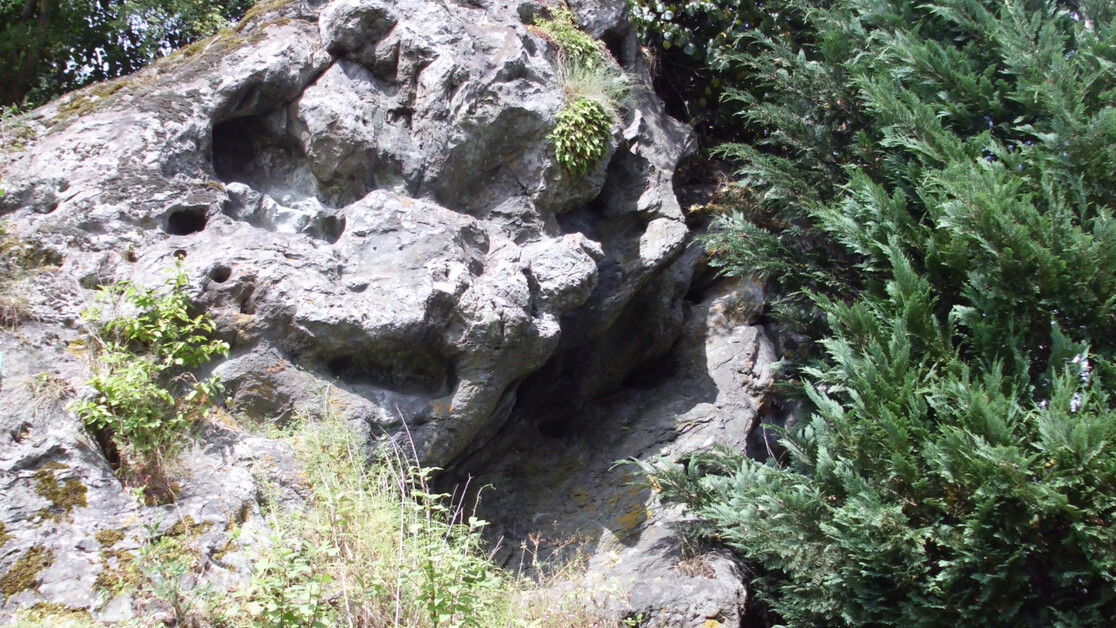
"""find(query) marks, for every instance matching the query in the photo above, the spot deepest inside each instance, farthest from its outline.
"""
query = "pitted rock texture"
(364, 196)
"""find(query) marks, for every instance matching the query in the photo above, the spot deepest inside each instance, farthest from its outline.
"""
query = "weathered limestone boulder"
(364, 195)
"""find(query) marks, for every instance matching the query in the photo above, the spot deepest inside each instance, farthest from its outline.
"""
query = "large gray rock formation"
(561, 495)
(364, 194)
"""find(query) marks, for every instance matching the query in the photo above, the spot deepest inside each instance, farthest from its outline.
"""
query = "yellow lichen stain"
(631, 520)
(580, 497)
(711, 623)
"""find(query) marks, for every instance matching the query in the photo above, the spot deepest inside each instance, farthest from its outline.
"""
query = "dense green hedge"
(935, 185)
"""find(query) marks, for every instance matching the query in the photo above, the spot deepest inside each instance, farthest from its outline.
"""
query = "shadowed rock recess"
(366, 200)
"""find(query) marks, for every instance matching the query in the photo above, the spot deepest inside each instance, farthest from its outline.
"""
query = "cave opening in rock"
(615, 43)
(220, 273)
(233, 148)
(333, 227)
(408, 371)
(186, 221)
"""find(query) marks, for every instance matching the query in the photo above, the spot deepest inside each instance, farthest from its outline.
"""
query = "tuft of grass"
(19, 260)
(377, 547)
(46, 392)
(15, 133)
(373, 546)
(574, 46)
(14, 307)
(604, 84)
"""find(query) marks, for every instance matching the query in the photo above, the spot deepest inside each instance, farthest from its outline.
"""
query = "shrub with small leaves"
(581, 136)
(935, 191)
(144, 399)
(701, 47)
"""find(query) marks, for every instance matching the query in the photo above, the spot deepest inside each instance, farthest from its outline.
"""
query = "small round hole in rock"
(186, 221)
(220, 274)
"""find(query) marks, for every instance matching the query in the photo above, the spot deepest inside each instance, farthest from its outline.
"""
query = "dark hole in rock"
(247, 305)
(233, 147)
(408, 371)
(673, 99)
(103, 436)
(220, 273)
(615, 43)
(333, 227)
(180, 254)
(651, 375)
(556, 429)
(186, 221)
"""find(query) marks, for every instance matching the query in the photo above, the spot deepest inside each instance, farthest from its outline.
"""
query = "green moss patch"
(63, 497)
(118, 573)
(46, 615)
(108, 538)
(186, 526)
(24, 574)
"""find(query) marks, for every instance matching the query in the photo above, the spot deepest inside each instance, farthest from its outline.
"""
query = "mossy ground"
(44, 615)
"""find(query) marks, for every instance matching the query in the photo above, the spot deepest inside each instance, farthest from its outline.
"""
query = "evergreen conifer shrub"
(932, 183)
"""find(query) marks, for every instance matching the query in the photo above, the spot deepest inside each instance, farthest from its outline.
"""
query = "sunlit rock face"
(365, 198)
(364, 193)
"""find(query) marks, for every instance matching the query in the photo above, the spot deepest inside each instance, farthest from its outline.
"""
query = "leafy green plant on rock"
(145, 397)
(581, 135)
(594, 86)
(574, 45)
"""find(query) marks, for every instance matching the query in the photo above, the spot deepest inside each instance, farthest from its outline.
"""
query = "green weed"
(140, 365)
(594, 87)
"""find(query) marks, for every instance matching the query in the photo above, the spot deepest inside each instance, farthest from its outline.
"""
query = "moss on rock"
(24, 574)
(118, 573)
(186, 526)
(108, 538)
(63, 497)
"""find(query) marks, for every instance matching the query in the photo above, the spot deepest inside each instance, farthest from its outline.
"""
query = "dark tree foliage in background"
(936, 189)
(49, 47)
(692, 43)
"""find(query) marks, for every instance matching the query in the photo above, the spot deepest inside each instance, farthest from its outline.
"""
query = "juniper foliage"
(936, 184)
